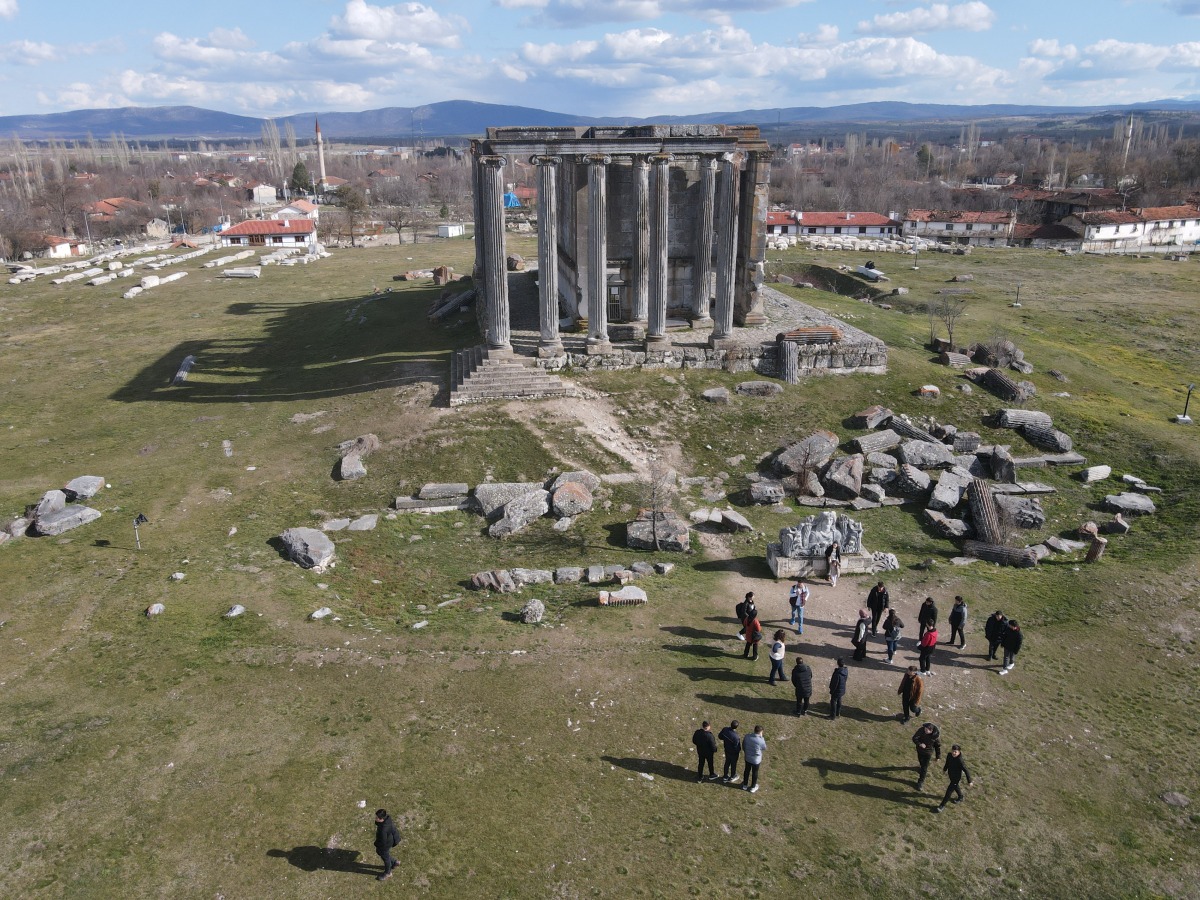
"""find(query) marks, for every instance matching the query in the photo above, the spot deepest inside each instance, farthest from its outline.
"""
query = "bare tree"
(658, 495)
(950, 308)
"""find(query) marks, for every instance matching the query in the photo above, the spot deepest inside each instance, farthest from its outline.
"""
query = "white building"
(451, 230)
(989, 228)
(847, 224)
(298, 209)
(1148, 228)
(278, 234)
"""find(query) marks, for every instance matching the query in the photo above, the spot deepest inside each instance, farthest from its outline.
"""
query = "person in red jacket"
(927, 645)
(754, 633)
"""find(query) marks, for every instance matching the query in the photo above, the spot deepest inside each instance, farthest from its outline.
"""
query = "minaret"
(320, 158)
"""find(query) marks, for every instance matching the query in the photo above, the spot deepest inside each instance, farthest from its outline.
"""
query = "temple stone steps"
(477, 376)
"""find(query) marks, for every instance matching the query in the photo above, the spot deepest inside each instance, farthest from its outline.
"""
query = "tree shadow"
(695, 634)
(656, 767)
(316, 859)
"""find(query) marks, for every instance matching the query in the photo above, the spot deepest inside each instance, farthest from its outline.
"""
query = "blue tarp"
(511, 201)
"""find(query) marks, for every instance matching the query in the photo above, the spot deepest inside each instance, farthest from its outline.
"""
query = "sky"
(593, 57)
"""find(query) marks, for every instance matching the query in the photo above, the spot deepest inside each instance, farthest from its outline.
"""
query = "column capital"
(545, 160)
(662, 159)
(708, 162)
(598, 159)
(498, 162)
(640, 161)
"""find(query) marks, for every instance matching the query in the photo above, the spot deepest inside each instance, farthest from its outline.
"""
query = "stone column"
(660, 183)
(491, 236)
(550, 343)
(597, 301)
(702, 269)
(477, 271)
(752, 240)
(641, 241)
(727, 220)
(789, 361)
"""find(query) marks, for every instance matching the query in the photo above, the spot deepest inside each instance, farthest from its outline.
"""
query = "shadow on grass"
(695, 634)
(716, 673)
(878, 792)
(785, 703)
(695, 650)
(891, 774)
(750, 566)
(316, 859)
(656, 767)
(825, 767)
(299, 354)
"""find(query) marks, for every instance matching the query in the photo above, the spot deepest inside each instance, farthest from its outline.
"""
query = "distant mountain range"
(458, 118)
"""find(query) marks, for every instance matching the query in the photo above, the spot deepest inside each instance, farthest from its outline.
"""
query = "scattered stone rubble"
(56, 512)
(509, 581)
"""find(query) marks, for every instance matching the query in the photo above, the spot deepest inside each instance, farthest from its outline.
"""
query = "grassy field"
(193, 756)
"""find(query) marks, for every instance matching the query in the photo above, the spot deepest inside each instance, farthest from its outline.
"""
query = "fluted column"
(597, 301)
(640, 301)
(660, 182)
(550, 343)
(702, 269)
(727, 219)
(491, 234)
(476, 216)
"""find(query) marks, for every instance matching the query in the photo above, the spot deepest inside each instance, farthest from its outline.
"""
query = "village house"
(277, 234)
(1150, 228)
(298, 209)
(857, 224)
(988, 228)
(54, 247)
(257, 192)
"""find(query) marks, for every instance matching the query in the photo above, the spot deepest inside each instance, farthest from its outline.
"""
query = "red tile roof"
(271, 226)
(827, 219)
(1166, 213)
(1109, 217)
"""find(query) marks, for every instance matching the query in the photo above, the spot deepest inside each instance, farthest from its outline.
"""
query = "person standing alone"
(754, 635)
(706, 749)
(837, 688)
(387, 836)
(892, 626)
(956, 770)
(798, 599)
(732, 742)
(877, 602)
(833, 562)
(754, 746)
(861, 629)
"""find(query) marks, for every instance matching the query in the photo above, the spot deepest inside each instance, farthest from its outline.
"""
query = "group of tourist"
(1001, 632)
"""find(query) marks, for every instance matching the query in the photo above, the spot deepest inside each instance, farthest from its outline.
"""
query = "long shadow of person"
(330, 859)
(879, 792)
(656, 767)
(882, 773)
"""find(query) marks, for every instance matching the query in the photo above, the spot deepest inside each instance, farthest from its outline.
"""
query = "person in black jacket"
(1011, 640)
(706, 751)
(387, 836)
(877, 602)
(956, 769)
(837, 688)
(958, 622)
(928, 741)
(993, 630)
(802, 682)
(733, 749)
(926, 616)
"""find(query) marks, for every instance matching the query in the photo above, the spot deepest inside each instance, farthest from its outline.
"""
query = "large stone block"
(951, 486)
(672, 533)
(520, 512)
(587, 479)
(571, 498)
(925, 455)
(493, 496)
(807, 454)
(64, 519)
(84, 487)
(843, 478)
(308, 548)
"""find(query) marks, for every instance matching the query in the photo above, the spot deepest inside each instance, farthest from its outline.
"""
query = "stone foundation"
(814, 566)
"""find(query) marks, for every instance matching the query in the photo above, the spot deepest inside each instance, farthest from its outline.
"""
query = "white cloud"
(578, 13)
(230, 38)
(521, 4)
(1052, 49)
(403, 22)
(8, 9)
(825, 34)
(973, 16)
(28, 53)
(552, 54)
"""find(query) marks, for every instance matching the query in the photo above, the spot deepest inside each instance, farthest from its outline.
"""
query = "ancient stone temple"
(636, 226)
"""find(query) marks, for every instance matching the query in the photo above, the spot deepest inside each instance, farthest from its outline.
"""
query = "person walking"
(706, 749)
(956, 769)
(745, 610)
(927, 616)
(861, 629)
(1011, 641)
(754, 635)
(958, 621)
(732, 741)
(802, 682)
(993, 630)
(754, 746)
(833, 562)
(926, 646)
(928, 741)
(387, 836)
(892, 626)
(837, 688)
(912, 688)
(777, 652)
(877, 602)
(798, 599)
